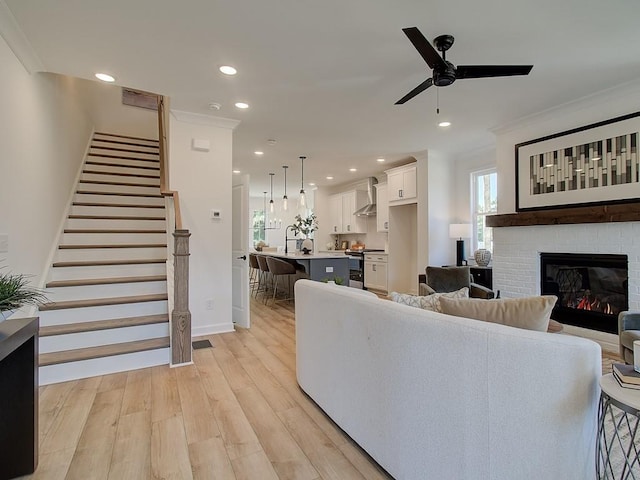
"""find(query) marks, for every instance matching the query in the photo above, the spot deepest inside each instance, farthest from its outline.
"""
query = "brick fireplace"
(516, 256)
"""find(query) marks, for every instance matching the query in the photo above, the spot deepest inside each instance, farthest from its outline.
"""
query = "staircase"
(108, 284)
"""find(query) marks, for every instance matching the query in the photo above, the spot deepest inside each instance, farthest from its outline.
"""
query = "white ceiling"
(322, 76)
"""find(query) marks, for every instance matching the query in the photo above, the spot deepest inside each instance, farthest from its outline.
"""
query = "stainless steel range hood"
(369, 209)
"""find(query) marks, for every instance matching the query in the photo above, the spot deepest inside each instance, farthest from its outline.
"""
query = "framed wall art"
(594, 164)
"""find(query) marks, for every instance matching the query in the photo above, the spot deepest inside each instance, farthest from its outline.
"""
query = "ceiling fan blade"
(483, 71)
(430, 54)
(419, 89)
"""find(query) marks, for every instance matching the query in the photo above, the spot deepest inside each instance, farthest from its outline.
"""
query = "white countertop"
(302, 256)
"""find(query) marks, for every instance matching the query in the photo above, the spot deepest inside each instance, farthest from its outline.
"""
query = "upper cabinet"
(402, 185)
(382, 207)
(342, 206)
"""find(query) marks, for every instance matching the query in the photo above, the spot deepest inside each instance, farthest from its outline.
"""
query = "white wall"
(203, 180)
(45, 131)
(442, 186)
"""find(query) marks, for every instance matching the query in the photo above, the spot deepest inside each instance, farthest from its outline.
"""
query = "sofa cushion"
(427, 302)
(530, 313)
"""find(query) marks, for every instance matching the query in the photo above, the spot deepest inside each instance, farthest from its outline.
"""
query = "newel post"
(181, 317)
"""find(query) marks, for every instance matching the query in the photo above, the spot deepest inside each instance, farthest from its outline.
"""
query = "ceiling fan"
(444, 72)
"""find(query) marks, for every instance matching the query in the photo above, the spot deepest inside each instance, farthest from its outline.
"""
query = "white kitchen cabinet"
(402, 185)
(375, 271)
(382, 207)
(341, 208)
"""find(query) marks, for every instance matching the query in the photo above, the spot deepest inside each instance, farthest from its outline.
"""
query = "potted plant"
(306, 226)
(15, 293)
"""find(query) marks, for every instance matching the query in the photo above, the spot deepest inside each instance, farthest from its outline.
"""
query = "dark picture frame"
(591, 165)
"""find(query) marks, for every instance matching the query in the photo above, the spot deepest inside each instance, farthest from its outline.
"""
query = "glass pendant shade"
(303, 200)
(271, 204)
(285, 200)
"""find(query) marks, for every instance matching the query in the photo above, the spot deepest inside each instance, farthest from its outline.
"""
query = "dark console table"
(482, 276)
(18, 397)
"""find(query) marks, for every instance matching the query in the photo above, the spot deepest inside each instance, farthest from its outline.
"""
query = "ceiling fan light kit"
(445, 72)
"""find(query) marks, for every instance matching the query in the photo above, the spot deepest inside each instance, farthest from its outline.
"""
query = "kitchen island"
(317, 266)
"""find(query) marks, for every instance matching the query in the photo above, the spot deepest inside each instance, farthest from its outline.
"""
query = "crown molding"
(200, 119)
(17, 41)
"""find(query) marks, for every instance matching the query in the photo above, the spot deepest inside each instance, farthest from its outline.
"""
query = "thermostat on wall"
(200, 144)
(215, 214)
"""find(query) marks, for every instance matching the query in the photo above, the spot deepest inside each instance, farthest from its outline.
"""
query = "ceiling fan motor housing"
(444, 77)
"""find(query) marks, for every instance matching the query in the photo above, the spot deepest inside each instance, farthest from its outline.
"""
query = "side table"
(617, 450)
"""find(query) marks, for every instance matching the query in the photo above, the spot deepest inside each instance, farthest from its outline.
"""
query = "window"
(484, 202)
(258, 226)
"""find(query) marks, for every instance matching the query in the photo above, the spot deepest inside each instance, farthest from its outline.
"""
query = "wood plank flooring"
(237, 413)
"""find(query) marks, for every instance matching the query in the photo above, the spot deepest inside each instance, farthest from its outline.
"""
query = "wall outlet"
(209, 304)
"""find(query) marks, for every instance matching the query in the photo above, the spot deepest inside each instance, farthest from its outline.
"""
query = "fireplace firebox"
(591, 288)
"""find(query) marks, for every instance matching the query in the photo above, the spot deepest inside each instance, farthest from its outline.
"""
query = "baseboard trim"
(212, 329)
(607, 341)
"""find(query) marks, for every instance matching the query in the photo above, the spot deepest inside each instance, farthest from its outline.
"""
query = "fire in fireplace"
(591, 288)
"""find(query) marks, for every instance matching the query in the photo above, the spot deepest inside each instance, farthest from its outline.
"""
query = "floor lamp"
(460, 231)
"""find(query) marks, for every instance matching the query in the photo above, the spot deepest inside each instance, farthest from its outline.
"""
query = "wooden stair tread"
(81, 327)
(113, 230)
(123, 136)
(119, 174)
(113, 245)
(127, 150)
(101, 302)
(119, 194)
(113, 217)
(124, 157)
(120, 184)
(115, 205)
(120, 165)
(102, 351)
(103, 263)
(105, 281)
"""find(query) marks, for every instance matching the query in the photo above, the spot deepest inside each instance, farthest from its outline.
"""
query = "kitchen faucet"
(287, 239)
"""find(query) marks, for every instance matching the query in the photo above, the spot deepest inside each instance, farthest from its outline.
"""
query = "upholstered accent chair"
(450, 279)
(628, 331)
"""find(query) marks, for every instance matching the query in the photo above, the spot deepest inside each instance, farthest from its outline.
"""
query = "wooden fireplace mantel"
(627, 212)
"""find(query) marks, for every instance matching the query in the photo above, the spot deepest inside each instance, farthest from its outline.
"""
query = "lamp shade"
(460, 230)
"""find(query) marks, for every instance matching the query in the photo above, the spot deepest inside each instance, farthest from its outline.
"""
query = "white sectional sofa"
(433, 396)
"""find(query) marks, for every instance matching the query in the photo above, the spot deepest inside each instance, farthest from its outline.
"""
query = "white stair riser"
(112, 238)
(59, 343)
(105, 136)
(101, 177)
(127, 162)
(97, 187)
(83, 197)
(101, 165)
(107, 271)
(111, 210)
(93, 223)
(81, 255)
(139, 152)
(103, 366)
(89, 314)
(86, 292)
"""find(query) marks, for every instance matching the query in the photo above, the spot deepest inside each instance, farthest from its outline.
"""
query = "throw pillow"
(428, 302)
(530, 313)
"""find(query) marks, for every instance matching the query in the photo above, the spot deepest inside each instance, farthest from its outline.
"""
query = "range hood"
(369, 209)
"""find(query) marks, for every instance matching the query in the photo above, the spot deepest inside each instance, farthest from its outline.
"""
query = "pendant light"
(284, 198)
(264, 212)
(271, 204)
(303, 200)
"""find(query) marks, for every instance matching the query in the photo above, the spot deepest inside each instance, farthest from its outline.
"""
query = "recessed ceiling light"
(444, 124)
(311, 184)
(242, 105)
(236, 171)
(105, 77)
(549, 165)
(595, 159)
(228, 70)
(353, 169)
(258, 152)
(380, 160)
(579, 170)
(329, 178)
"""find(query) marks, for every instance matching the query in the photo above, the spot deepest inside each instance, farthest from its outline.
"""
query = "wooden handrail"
(162, 143)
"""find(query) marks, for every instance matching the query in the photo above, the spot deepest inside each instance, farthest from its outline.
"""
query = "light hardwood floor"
(237, 413)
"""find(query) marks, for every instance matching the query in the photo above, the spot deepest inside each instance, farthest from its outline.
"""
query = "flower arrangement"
(306, 226)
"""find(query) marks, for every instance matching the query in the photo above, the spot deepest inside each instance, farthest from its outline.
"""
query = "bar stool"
(280, 268)
(254, 271)
(263, 277)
